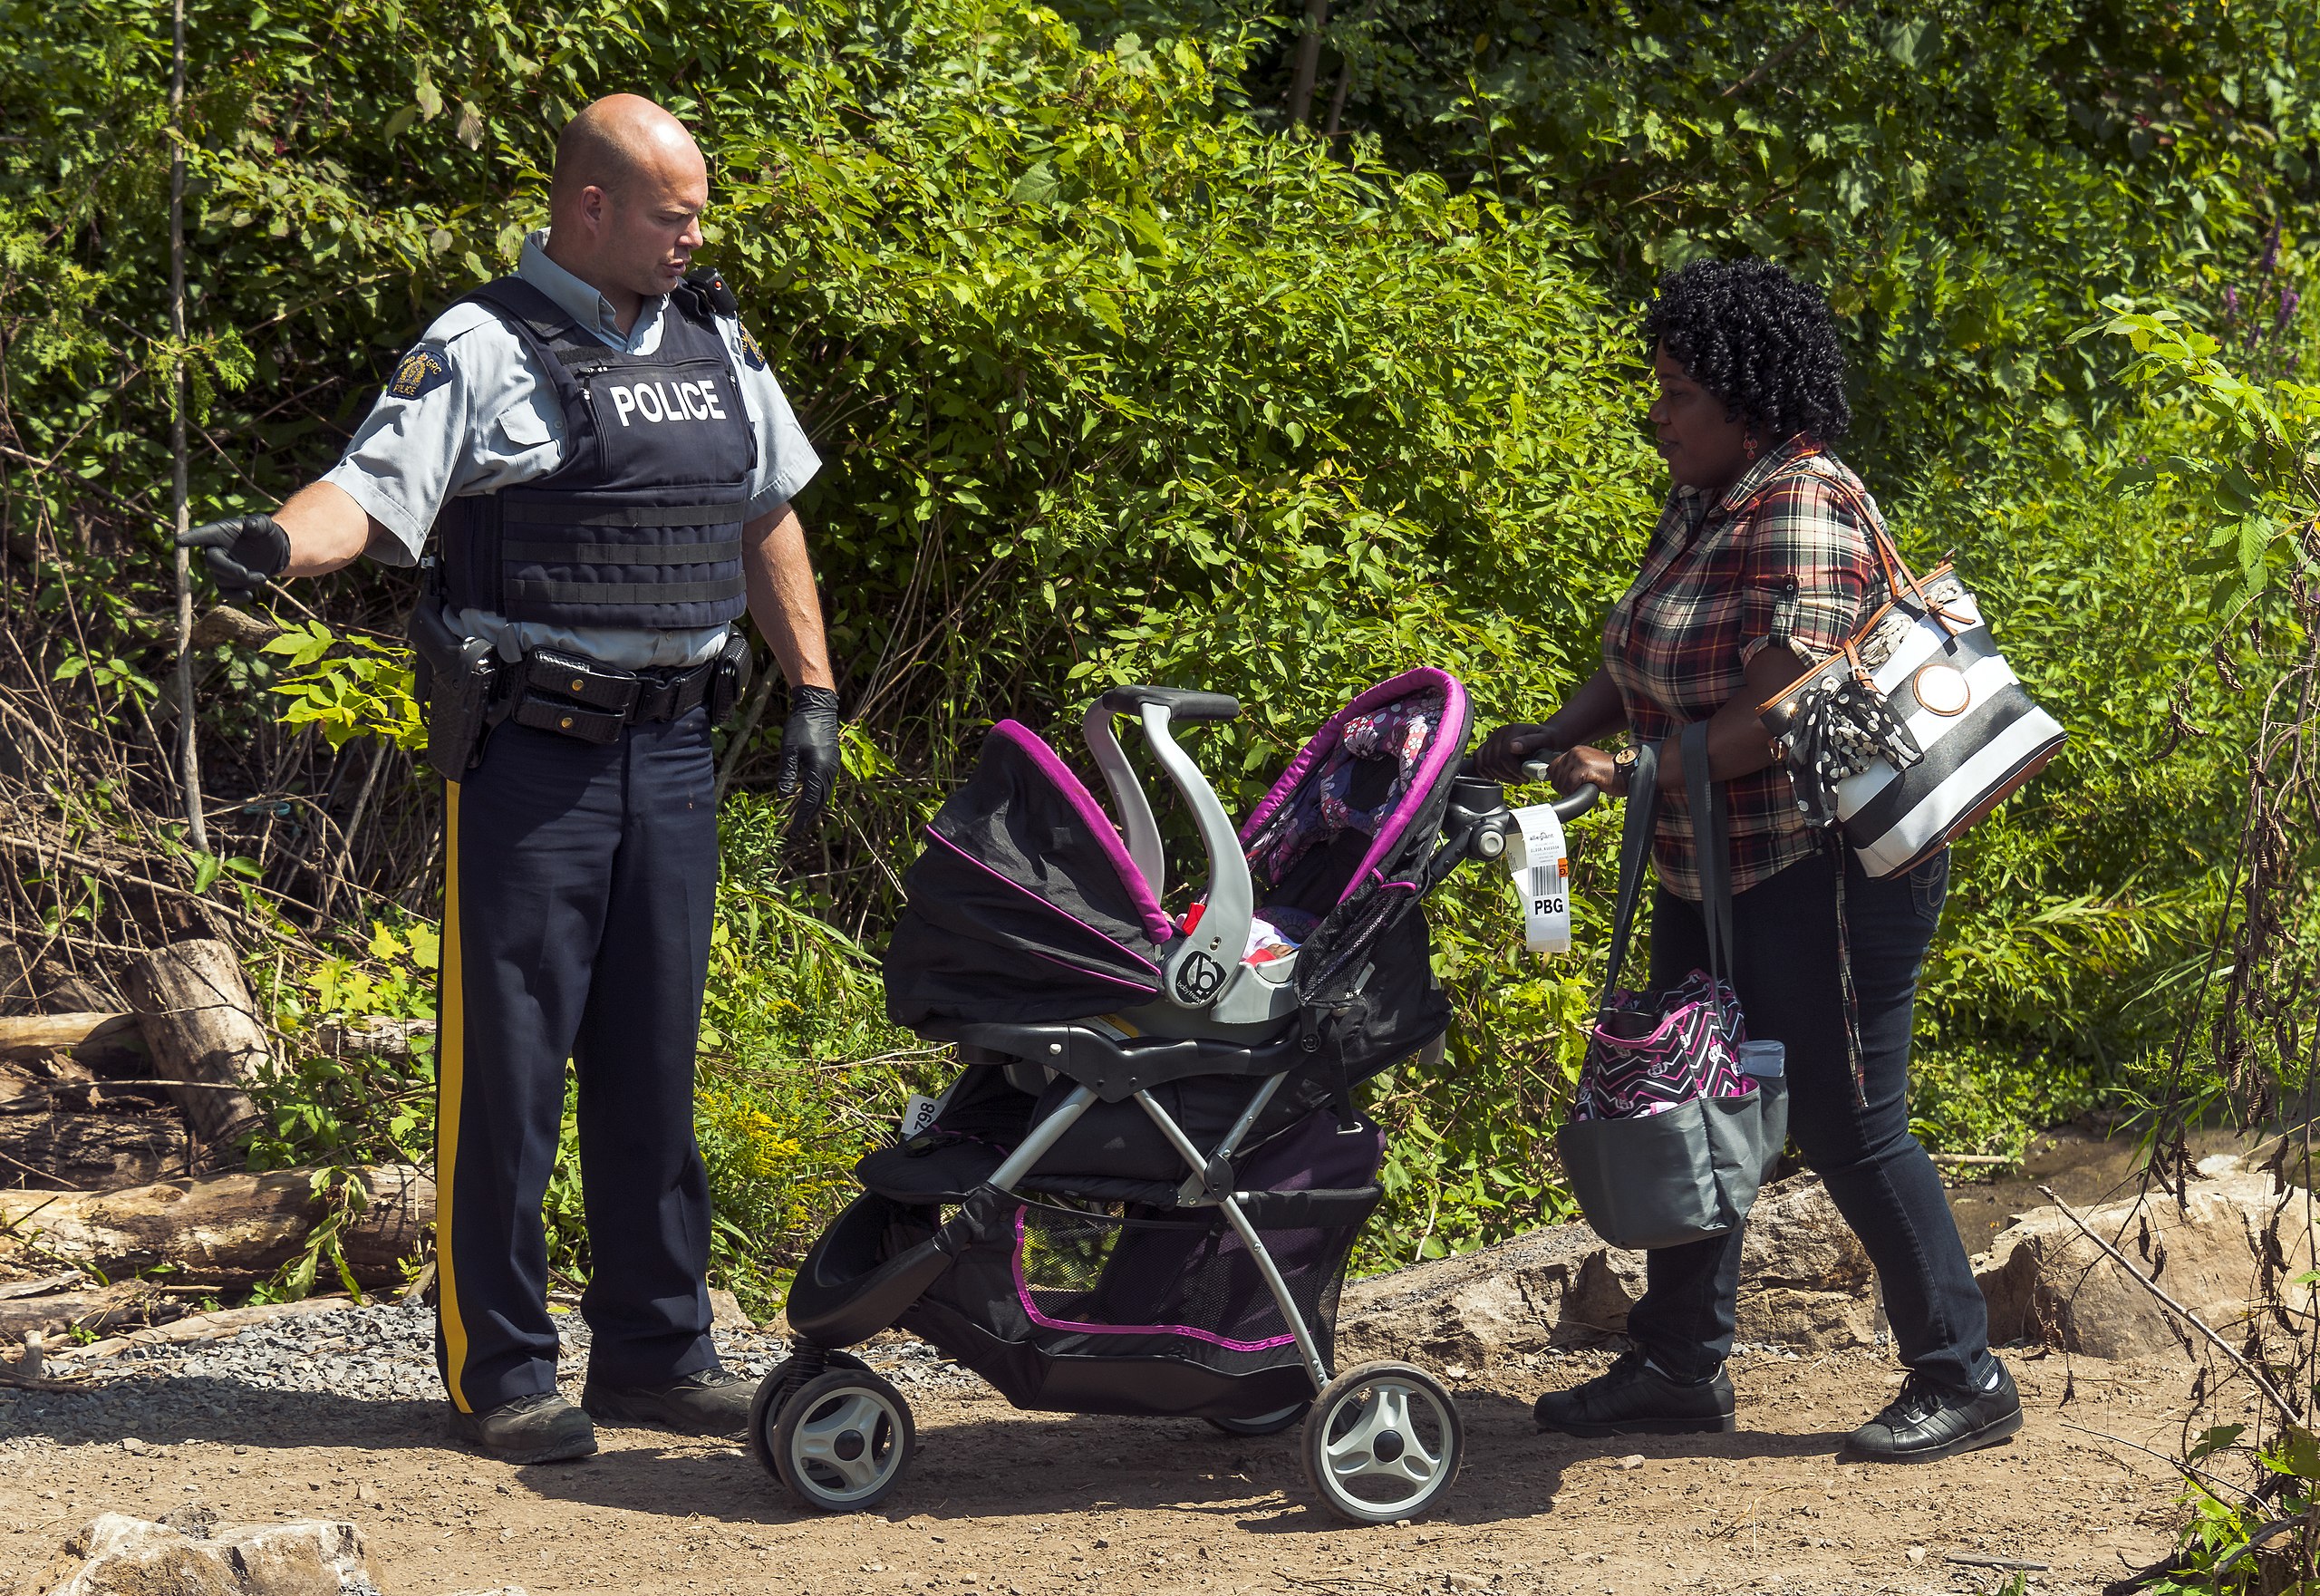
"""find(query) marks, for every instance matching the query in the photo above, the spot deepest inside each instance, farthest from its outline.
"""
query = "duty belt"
(578, 697)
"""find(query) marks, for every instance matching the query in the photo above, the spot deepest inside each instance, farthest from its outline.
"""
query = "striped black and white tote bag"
(1916, 727)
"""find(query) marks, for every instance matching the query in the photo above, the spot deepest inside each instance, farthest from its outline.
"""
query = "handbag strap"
(1635, 855)
(1710, 850)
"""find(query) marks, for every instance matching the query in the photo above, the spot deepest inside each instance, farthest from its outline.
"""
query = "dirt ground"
(1004, 1502)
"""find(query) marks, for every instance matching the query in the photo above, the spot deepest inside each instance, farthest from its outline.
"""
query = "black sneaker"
(1634, 1398)
(708, 1402)
(1928, 1421)
(542, 1429)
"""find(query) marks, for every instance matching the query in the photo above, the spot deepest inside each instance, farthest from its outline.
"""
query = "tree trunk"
(1308, 61)
(203, 1032)
(223, 1230)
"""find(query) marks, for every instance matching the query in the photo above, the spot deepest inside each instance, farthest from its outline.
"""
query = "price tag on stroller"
(1541, 867)
(919, 1114)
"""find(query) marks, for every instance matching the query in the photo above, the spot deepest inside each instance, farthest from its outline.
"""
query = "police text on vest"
(668, 402)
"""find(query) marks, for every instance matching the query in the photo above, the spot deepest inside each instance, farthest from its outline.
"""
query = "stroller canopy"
(1025, 905)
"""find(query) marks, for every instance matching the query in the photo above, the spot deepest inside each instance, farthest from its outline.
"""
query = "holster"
(730, 679)
(455, 677)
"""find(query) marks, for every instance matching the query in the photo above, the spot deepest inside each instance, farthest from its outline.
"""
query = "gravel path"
(379, 1357)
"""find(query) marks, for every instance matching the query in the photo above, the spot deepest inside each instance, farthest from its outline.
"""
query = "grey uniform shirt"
(488, 419)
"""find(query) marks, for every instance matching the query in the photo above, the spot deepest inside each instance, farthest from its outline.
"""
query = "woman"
(1759, 564)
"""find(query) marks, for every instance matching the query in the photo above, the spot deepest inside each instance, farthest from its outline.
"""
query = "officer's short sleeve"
(786, 460)
(412, 451)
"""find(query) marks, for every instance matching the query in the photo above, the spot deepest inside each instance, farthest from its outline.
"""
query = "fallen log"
(103, 1308)
(224, 1231)
(199, 1021)
(23, 1035)
(200, 1327)
(376, 1038)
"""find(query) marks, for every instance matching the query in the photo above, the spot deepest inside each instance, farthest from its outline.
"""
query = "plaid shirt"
(1786, 563)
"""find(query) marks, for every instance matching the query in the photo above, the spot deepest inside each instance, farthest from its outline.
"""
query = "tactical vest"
(641, 524)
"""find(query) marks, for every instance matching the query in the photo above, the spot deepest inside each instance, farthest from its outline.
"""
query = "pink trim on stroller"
(1052, 909)
(1440, 753)
(1156, 924)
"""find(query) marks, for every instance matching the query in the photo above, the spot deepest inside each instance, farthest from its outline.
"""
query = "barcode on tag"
(1543, 863)
(919, 1114)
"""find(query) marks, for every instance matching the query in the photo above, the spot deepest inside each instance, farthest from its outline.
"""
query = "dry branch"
(103, 1308)
(2263, 1383)
(201, 1327)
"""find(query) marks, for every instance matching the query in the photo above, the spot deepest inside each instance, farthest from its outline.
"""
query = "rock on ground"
(117, 1555)
(2235, 1232)
(1805, 1283)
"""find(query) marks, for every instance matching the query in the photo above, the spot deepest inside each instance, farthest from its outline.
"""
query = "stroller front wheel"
(781, 1382)
(1383, 1442)
(842, 1440)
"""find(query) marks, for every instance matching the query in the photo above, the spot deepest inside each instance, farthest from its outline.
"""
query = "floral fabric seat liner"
(1398, 731)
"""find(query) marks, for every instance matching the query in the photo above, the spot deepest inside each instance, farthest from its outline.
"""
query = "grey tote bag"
(1690, 1173)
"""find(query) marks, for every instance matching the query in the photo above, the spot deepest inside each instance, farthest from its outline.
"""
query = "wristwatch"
(1624, 763)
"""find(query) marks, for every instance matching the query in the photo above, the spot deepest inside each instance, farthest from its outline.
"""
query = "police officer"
(607, 464)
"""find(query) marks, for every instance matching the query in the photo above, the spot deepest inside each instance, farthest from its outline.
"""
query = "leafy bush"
(1115, 381)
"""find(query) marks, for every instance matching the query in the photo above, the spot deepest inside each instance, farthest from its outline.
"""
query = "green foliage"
(1115, 381)
(341, 1106)
(347, 686)
(1968, 179)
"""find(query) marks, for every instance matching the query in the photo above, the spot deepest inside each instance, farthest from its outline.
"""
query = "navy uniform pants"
(577, 915)
(1854, 1135)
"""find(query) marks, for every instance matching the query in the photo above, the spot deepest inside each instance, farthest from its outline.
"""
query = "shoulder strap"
(1635, 857)
(536, 319)
(1710, 849)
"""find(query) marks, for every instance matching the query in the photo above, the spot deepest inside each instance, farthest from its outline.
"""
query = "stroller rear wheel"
(780, 1383)
(1270, 1424)
(842, 1440)
(1382, 1443)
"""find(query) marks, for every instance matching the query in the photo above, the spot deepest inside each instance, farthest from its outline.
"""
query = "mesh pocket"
(1119, 1281)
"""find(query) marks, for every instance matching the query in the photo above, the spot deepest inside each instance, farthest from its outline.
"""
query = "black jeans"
(1791, 991)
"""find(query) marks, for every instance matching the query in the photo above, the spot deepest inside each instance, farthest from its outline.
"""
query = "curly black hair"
(1760, 341)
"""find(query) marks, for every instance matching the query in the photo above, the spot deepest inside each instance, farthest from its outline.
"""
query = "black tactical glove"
(245, 552)
(809, 759)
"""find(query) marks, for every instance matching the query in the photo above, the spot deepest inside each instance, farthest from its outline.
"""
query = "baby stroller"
(1139, 1195)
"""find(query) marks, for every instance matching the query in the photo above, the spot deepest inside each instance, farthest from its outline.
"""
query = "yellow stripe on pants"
(450, 1058)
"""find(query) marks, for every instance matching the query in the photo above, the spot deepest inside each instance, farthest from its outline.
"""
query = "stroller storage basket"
(1052, 1298)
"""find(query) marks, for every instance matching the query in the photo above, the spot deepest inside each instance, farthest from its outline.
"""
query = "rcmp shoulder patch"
(423, 372)
(750, 350)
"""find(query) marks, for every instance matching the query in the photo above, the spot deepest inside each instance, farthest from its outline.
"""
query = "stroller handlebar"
(1481, 808)
(1573, 804)
(1196, 966)
(1182, 703)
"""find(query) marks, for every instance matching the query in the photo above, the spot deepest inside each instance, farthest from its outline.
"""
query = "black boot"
(709, 1402)
(1928, 1421)
(543, 1428)
(1633, 1398)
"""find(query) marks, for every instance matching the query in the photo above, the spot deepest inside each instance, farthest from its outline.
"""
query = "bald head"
(617, 141)
(625, 202)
